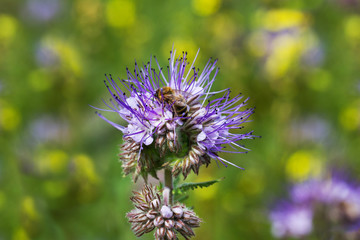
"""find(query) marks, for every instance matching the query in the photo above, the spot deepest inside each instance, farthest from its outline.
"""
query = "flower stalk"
(168, 183)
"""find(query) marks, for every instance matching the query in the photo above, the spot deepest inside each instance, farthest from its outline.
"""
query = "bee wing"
(189, 98)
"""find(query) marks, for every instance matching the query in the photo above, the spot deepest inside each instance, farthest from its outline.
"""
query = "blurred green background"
(60, 178)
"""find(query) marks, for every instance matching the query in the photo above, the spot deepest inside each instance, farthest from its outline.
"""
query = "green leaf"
(191, 186)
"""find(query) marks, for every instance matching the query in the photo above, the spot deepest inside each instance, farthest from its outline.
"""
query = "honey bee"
(175, 99)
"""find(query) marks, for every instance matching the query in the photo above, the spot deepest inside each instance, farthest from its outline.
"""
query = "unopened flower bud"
(178, 211)
(155, 204)
(179, 225)
(166, 212)
(160, 232)
(151, 214)
(142, 207)
(158, 221)
(169, 223)
(170, 234)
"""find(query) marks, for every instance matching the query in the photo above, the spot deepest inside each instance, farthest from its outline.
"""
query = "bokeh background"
(60, 178)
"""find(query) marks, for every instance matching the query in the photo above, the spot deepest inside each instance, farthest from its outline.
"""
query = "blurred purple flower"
(339, 198)
(291, 220)
(314, 56)
(47, 128)
(42, 10)
(177, 116)
(311, 128)
(46, 56)
(305, 192)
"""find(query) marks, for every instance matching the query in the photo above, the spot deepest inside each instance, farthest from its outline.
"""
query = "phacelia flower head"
(154, 213)
(174, 119)
(332, 200)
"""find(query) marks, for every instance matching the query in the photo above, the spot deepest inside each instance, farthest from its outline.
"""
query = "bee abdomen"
(181, 109)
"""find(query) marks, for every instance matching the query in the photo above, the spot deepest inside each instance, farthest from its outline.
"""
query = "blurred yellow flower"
(28, 208)
(53, 162)
(120, 13)
(276, 20)
(84, 169)
(206, 7)
(352, 28)
(9, 117)
(286, 52)
(302, 165)
(283, 38)
(350, 117)
(8, 26)
(20, 234)
(85, 178)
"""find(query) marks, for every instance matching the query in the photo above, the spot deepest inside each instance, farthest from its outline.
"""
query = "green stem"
(168, 182)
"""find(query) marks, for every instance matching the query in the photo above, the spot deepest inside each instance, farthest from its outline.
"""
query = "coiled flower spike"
(152, 213)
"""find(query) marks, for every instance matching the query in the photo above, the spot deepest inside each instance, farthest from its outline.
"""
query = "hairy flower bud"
(155, 204)
(166, 212)
(169, 223)
(178, 211)
(167, 220)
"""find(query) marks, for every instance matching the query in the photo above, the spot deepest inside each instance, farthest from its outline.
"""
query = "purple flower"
(176, 115)
(331, 200)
